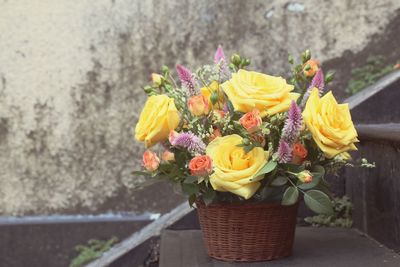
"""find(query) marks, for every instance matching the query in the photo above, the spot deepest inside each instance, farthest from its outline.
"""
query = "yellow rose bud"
(305, 176)
(234, 169)
(330, 124)
(159, 116)
(211, 91)
(198, 105)
(156, 78)
(249, 90)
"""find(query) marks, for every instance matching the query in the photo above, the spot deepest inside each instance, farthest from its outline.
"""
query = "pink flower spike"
(187, 80)
(284, 154)
(318, 81)
(219, 55)
(291, 129)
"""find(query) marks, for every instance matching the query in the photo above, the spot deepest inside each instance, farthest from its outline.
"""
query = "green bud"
(232, 66)
(329, 77)
(235, 59)
(165, 69)
(246, 141)
(290, 59)
(149, 90)
(214, 97)
(307, 67)
(246, 62)
(305, 56)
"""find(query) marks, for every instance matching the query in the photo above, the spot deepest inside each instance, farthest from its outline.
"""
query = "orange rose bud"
(251, 121)
(168, 156)
(172, 135)
(310, 67)
(299, 153)
(150, 161)
(216, 133)
(259, 139)
(198, 105)
(305, 176)
(219, 114)
(156, 78)
(200, 165)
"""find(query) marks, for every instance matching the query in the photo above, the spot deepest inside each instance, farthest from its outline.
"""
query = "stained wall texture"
(71, 73)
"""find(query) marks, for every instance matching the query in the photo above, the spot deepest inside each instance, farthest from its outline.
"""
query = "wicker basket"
(247, 232)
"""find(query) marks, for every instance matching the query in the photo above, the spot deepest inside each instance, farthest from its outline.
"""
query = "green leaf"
(290, 196)
(268, 167)
(279, 181)
(192, 198)
(190, 189)
(190, 179)
(293, 167)
(209, 196)
(318, 202)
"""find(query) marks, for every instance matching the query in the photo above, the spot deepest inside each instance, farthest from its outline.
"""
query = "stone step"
(322, 247)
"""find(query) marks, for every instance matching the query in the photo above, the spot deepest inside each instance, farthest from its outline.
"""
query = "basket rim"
(243, 204)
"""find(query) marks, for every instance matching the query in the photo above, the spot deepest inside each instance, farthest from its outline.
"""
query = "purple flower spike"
(187, 80)
(190, 142)
(319, 82)
(293, 123)
(219, 55)
(220, 62)
(284, 154)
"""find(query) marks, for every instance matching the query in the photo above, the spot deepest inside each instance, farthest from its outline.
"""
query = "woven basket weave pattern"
(247, 232)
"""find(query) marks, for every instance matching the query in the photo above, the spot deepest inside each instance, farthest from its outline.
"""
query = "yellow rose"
(207, 91)
(234, 170)
(330, 124)
(159, 116)
(249, 90)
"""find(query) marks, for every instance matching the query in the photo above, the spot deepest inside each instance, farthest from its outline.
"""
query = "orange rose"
(198, 105)
(200, 165)
(313, 67)
(299, 153)
(168, 156)
(150, 161)
(251, 121)
(216, 133)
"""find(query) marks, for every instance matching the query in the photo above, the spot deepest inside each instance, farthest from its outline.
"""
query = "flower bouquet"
(246, 147)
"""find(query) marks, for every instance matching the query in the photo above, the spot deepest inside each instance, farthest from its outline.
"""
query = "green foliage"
(361, 77)
(318, 202)
(268, 167)
(290, 196)
(93, 250)
(341, 217)
(279, 181)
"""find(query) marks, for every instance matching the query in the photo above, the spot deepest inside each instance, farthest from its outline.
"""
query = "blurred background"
(71, 74)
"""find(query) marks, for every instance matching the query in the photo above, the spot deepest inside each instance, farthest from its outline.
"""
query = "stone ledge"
(321, 247)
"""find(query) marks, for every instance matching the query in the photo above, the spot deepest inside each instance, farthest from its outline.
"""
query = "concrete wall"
(71, 72)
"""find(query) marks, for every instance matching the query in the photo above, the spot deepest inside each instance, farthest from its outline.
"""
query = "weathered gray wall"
(71, 72)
